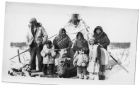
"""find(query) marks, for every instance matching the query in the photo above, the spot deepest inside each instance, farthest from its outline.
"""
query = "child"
(81, 55)
(93, 66)
(81, 61)
(48, 58)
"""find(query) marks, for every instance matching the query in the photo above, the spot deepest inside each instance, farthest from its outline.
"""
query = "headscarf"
(98, 27)
(81, 44)
(62, 40)
(80, 34)
(61, 35)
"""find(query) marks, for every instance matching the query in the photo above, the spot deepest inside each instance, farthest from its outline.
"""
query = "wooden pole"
(19, 56)
(119, 63)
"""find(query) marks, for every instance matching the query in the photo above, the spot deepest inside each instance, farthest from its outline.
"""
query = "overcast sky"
(119, 24)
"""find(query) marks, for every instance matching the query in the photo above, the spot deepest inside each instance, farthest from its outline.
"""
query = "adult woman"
(62, 41)
(103, 41)
(101, 37)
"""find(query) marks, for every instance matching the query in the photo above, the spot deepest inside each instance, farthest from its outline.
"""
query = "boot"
(103, 72)
(103, 77)
(100, 77)
(85, 77)
(79, 76)
(82, 76)
(91, 76)
(96, 77)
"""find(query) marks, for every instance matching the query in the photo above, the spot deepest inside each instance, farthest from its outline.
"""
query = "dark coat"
(101, 38)
(81, 44)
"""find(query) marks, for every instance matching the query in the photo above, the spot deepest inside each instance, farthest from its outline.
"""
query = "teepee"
(77, 24)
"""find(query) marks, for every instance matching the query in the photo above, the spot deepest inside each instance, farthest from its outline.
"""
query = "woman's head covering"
(61, 35)
(98, 27)
(61, 32)
(62, 40)
(80, 34)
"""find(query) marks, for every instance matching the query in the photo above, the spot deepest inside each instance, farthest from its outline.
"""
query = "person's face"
(79, 37)
(63, 32)
(91, 42)
(48, 46)
(32, 24)
(98, 31)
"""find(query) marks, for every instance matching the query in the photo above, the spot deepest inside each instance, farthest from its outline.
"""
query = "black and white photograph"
(44, 43)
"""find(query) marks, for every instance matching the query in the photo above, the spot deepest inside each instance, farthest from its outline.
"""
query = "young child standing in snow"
(48, 58)
(93, 66)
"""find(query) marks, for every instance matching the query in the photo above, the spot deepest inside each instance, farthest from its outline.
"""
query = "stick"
(24, 57)
(19, 54)
(52, 36)
(118, 63)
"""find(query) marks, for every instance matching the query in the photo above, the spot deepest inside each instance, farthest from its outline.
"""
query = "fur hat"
(33, 20)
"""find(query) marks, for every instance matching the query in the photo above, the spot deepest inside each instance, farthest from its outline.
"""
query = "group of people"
(48, 52)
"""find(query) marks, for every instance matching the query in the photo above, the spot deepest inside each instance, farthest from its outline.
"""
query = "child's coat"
(81, 60)
(93, 66)
(48, 59)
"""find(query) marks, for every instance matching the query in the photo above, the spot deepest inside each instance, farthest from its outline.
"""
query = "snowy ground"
(116, 74)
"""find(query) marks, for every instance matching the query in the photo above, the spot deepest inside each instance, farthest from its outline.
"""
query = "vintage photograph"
(46, 41)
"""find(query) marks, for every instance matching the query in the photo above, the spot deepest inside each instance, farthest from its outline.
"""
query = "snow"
(117, 75)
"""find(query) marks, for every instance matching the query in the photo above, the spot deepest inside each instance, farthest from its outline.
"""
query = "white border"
(132, 4)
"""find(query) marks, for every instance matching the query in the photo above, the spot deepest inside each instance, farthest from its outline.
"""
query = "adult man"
(36, 38)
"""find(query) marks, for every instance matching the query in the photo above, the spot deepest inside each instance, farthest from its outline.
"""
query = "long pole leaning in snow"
(119, 63)
(19, 54)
